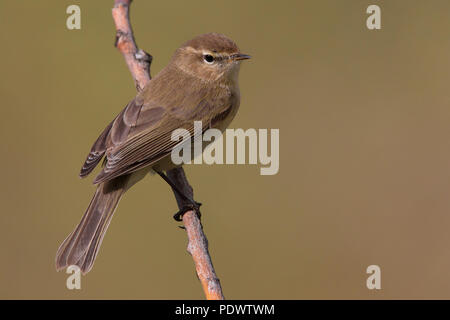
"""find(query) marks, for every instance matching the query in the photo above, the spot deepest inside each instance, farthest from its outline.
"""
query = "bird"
(200, 83)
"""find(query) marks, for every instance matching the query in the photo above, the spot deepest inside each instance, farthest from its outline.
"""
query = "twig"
(197, 244)
(138, 62)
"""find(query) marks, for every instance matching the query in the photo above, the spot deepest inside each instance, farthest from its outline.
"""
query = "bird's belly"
(165, 164)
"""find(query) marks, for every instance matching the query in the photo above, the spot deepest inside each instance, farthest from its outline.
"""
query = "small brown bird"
(200, 83)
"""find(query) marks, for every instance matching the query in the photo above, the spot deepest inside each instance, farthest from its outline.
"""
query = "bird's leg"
(193, 204)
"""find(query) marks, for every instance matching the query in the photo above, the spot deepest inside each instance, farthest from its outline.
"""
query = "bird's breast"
(223, 120)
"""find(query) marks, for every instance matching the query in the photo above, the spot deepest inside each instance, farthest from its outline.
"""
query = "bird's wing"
(99, 147)
(141, 134)
(97, 152)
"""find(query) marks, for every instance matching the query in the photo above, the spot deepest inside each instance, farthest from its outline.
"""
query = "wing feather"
(141, 134)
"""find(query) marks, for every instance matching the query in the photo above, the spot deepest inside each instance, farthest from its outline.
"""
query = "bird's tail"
(80, 248)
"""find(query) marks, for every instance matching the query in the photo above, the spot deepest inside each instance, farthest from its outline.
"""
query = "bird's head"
(210, 57)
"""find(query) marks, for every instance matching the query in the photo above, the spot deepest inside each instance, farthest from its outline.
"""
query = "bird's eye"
(208, 58)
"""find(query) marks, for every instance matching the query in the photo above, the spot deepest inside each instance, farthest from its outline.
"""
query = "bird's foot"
(195, 206)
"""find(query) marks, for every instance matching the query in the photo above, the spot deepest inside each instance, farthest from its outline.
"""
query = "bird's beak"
(240, 56)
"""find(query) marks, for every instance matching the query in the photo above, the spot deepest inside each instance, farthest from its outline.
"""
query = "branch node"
(143, 56)
(119, 37)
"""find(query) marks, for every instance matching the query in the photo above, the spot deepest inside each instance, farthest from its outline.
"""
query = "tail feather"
(81, 246)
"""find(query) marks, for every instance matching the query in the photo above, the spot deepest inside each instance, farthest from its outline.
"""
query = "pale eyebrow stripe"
(218, 56)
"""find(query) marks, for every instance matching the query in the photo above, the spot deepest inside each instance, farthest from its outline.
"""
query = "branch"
(138, 62)
(197, 244)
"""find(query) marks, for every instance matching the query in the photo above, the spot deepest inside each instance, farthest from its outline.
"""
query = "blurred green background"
(364, 151)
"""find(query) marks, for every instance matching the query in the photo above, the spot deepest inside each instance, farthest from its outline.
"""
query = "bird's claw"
(195, 207)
